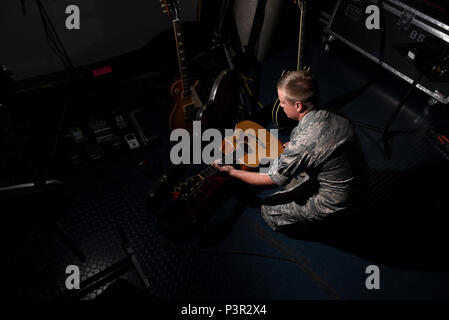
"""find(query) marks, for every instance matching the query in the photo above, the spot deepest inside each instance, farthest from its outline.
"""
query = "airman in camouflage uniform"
(320, 166)
(319, 163)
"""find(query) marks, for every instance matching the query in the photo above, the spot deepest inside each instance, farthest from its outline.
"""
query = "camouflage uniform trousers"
(280, 210)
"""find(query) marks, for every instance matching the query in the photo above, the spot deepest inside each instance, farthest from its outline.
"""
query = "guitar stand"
(388, 134)
(217, 42)
(217, 34)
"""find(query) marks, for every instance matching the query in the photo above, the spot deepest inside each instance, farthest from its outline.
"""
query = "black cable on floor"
(234, 252)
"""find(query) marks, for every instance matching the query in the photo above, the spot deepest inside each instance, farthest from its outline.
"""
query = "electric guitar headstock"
(171, 8)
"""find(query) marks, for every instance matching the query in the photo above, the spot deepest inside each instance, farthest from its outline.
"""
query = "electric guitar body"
(185, 109)
(184, 93)
(222, 106)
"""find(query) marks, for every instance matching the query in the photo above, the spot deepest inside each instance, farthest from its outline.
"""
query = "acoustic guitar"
(184, 93)
(250, 147)
(278, 116)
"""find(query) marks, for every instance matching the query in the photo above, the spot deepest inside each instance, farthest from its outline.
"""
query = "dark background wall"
(108, 29)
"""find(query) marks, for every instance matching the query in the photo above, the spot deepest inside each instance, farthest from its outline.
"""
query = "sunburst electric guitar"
(277, 114)
(187, 102)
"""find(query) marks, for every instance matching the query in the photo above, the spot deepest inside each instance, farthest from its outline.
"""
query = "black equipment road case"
(412, 40)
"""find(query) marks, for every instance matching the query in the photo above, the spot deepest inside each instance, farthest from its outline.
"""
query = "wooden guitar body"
(186, 108)
(187, 103)
(220, 110)
(255, 144)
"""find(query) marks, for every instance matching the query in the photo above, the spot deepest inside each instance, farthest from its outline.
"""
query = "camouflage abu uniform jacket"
(323, 152)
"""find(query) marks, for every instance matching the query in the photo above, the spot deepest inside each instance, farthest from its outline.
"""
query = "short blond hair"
(300, 86)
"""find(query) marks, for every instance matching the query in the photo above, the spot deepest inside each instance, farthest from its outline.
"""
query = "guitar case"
(221, 109)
